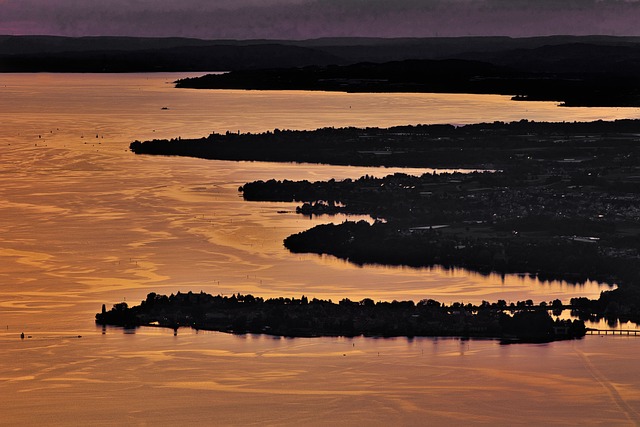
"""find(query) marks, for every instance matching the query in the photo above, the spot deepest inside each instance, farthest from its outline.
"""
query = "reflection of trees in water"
(304, 317)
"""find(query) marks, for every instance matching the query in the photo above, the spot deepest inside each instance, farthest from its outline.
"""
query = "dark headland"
(574, 71)
(571, 88)
(301, 317)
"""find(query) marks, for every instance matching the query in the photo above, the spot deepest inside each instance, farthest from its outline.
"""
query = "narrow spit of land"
(498, 145)
(301, 317)
(572, 86)
(556, 200)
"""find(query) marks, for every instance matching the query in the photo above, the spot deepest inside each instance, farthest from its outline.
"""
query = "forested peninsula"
(571, 89)
(523, 144)
(302, 317)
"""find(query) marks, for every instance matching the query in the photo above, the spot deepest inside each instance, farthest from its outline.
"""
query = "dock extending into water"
(629, 332)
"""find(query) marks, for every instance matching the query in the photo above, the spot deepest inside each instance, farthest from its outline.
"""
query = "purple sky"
(301, 19)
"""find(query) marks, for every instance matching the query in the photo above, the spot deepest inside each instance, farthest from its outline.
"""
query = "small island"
(303, 317)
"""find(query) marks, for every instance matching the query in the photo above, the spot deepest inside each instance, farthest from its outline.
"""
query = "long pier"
(629, 332)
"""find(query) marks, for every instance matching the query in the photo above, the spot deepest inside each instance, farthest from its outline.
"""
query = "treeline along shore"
(303, 317)
(557, 201)
(477, 146)
(572, 89)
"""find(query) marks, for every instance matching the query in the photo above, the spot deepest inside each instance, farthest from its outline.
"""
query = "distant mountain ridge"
(574, 70)
(175, 58)
(122, 54)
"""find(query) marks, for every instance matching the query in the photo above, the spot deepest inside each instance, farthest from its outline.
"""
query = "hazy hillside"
(100, 54)
(175, 58)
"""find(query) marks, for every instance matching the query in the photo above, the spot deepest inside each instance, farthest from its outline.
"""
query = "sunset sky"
(300, 19)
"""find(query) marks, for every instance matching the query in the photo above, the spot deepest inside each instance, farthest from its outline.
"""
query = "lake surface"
(85, 222)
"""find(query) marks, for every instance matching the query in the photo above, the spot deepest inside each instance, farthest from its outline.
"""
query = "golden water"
(85, 222)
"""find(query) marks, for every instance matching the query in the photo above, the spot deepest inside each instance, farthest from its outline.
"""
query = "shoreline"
(496, 145)
(303, 317)
(561, 204)
(573, 87)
